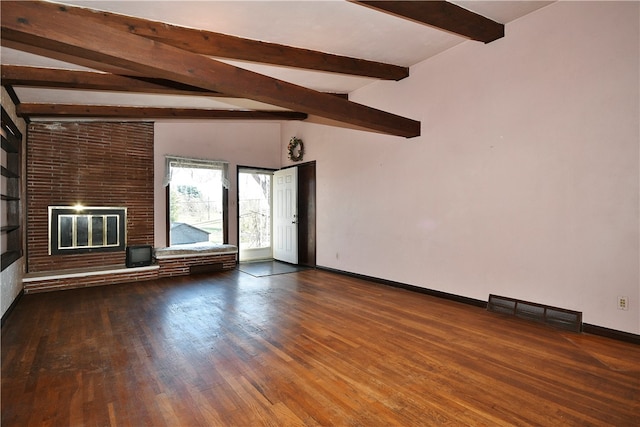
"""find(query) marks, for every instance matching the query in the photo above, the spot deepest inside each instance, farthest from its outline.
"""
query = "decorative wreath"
(295, 144)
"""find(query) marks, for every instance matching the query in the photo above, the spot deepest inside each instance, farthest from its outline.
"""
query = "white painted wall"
(525, 181)
(247, 144)
(11, 277)
(11, 284)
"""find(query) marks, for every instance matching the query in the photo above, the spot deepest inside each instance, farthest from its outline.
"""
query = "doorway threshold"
(269, 268)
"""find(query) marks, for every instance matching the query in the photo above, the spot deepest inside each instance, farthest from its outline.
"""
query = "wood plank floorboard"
(311, 348)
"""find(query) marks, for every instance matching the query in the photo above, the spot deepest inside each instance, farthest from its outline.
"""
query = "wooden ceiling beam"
(45, 25)
(231, 47)
(18, 75)
(40, 110)
(59, 56)
(443, 15)
(89, 80)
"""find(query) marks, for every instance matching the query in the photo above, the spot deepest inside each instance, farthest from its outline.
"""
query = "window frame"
(220, 164)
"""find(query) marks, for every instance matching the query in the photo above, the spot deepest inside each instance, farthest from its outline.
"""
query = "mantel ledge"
(84, 272)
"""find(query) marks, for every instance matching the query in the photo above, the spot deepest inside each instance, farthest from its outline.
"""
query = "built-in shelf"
(7, 173)
(9, 257)
(11, 183)
(8, 146)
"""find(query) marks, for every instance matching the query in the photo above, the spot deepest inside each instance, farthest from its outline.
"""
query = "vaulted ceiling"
(230, 60)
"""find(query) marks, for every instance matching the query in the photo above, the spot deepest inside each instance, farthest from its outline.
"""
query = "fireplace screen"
(86, 229)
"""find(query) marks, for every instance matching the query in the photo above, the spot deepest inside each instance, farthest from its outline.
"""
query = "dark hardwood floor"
(307, 348)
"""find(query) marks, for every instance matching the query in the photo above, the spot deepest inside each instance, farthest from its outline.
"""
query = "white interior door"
(285, 220)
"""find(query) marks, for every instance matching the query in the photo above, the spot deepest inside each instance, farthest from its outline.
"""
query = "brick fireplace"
(93, 164)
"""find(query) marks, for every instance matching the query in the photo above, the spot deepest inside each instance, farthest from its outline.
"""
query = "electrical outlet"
(623, 303)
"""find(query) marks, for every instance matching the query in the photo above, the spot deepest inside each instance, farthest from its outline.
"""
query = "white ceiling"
(332, 26)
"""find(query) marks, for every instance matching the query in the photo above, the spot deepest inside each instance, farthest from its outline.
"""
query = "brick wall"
(95, 164)
(181, 266)
(129, 275)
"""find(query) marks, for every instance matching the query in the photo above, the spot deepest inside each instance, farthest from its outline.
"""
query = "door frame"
(307, 210)
(238, 170)
(307, 214)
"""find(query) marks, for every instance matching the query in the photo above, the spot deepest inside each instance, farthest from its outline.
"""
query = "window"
(197, 199)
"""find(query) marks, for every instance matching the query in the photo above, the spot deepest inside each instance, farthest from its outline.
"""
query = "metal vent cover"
(557, 317)
(206, 268)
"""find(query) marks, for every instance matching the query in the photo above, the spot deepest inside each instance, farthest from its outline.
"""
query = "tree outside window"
(196, 208)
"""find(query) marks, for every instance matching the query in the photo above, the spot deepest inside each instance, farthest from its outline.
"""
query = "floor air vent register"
(557, 317)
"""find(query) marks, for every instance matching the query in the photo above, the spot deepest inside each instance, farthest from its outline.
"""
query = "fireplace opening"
(75, 230)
